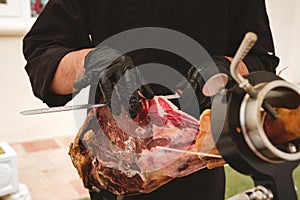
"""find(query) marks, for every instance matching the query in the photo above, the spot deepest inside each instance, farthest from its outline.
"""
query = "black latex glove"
(111, 70)
(200, 80)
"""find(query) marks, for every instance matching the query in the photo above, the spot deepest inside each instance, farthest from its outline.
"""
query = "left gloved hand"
(114, 72)
(205, 81)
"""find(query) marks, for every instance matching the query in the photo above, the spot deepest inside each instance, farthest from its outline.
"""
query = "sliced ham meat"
(128, 156)
(205, 142)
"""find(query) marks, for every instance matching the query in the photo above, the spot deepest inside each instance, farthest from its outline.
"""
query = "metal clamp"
(257, 193)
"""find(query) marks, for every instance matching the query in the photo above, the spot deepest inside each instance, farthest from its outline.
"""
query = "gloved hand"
(111, 70)
(205, 81)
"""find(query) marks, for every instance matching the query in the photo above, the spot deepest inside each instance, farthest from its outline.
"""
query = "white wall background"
(15, 89)
(16, 92)
(16, 96)
(285, 24)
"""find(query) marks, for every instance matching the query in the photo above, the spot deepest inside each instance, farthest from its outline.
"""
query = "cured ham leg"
(285, 128)
(128, 156)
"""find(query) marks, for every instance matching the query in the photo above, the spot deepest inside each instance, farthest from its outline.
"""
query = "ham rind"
(127, 156)
(285, 128)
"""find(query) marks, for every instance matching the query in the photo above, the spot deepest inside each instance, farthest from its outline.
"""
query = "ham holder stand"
(240, 138)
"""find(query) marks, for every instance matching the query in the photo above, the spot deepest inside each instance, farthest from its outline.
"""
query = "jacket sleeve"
(252, 16)
(60, 29)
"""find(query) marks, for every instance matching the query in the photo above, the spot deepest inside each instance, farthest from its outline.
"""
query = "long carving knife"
(61, 109)
(76, 107)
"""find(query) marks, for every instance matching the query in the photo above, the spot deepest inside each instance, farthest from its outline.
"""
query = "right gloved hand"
(111, 70)
(205, 81)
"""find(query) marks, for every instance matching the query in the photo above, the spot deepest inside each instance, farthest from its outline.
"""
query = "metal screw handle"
(246, 45)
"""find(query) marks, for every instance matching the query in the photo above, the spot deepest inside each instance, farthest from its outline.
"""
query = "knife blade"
(61, 109)
(76, 107)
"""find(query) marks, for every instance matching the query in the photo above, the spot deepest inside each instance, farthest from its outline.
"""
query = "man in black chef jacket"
(67, 30)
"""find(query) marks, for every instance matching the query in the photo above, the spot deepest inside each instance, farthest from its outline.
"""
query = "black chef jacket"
(218, 25)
